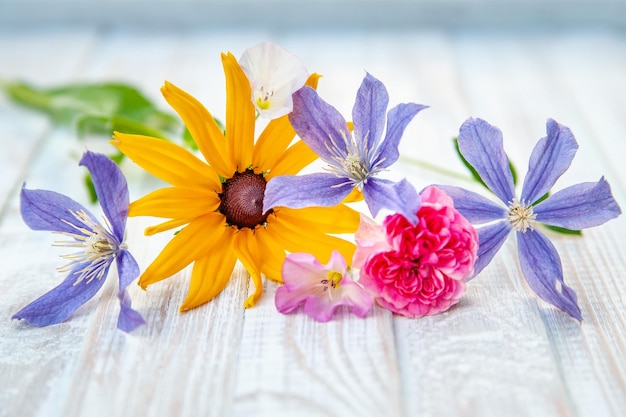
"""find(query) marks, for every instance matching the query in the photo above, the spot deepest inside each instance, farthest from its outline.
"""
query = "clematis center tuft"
(521, 216)
(242, 200)
(96, 248)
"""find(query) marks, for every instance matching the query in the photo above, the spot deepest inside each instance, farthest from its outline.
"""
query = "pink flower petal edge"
(418, 270)
(321, 288)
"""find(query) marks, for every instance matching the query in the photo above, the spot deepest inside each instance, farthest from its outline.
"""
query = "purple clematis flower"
(98, 245)
(322, 288)
(575, 207)
(354, 158)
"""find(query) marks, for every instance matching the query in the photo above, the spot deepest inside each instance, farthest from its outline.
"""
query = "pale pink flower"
(418, 270)
(322, 288)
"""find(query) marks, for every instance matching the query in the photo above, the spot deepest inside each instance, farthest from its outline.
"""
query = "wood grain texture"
(500, 351)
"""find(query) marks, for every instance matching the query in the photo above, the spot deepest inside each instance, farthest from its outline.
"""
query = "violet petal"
(399, 197)
(317, 123)
(490, 240)
(59, 303)
(473, 206)
(368, 113)
(579, 206)
(305, 191)
(111, 189)
(549, 160)
(482, 146)
(543, 272)
(397, 120)
(48, 210)
(127, 270)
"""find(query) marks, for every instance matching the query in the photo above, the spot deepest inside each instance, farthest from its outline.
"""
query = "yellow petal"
(293, 160)
(168, 225)
(295, 238)
(249, 253)
(167, 161)
(176, 203)
(276, 137)
(312, 80)
(337, 220)
(272, 143)
(273, 254)
(210, 275)
(203, 128)
(240, 113)
(191, 243)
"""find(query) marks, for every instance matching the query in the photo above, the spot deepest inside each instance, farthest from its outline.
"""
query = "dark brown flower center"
(242, 200)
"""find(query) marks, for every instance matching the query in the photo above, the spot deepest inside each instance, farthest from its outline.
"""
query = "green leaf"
(563, 230)
(91, 189)
(92, 106)
(540, 199)
(94, 125)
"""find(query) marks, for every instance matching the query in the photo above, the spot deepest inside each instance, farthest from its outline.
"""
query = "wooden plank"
(579, 71)
(34, 363)
(290, 364)
(487, 355)
(499, 352)
(578, 350)
(22, 130)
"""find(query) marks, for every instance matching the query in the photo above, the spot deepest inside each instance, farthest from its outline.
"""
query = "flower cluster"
(418, 270)
(238, 196)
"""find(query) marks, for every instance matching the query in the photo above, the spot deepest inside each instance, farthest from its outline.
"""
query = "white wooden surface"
(500, 352)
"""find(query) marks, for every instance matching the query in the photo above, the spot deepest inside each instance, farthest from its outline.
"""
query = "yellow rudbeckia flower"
(219, 202)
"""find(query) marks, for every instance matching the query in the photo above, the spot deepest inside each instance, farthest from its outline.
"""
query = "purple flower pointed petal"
(128, 270)
(128, 319)
(473, 206)
(47, 210)
(318, 123)
(111, 189)
(579, 206)
(549, 160)
(542, 270)
(490, 240)
(399, 197)
(58, 304)
(292, 191)
(368, 113)
(397, 120)
(481, 144)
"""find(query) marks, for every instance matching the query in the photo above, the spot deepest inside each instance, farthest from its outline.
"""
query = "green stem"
(435, 168)
(27, 96)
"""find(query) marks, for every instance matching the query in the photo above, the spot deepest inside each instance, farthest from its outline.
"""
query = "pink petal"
(370, 239)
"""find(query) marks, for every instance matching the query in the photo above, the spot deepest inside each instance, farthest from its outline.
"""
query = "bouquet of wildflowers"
(235, 194)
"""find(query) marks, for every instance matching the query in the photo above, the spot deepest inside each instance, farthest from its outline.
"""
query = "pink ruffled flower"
(418, 270)
(322, 288)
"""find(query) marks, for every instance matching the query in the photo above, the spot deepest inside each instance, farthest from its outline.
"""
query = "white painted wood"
(21, 131)
(499, 352)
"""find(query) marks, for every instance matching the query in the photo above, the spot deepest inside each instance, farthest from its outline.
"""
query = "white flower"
(274, 74)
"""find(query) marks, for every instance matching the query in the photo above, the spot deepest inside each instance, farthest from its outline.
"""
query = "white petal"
(274, 74)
